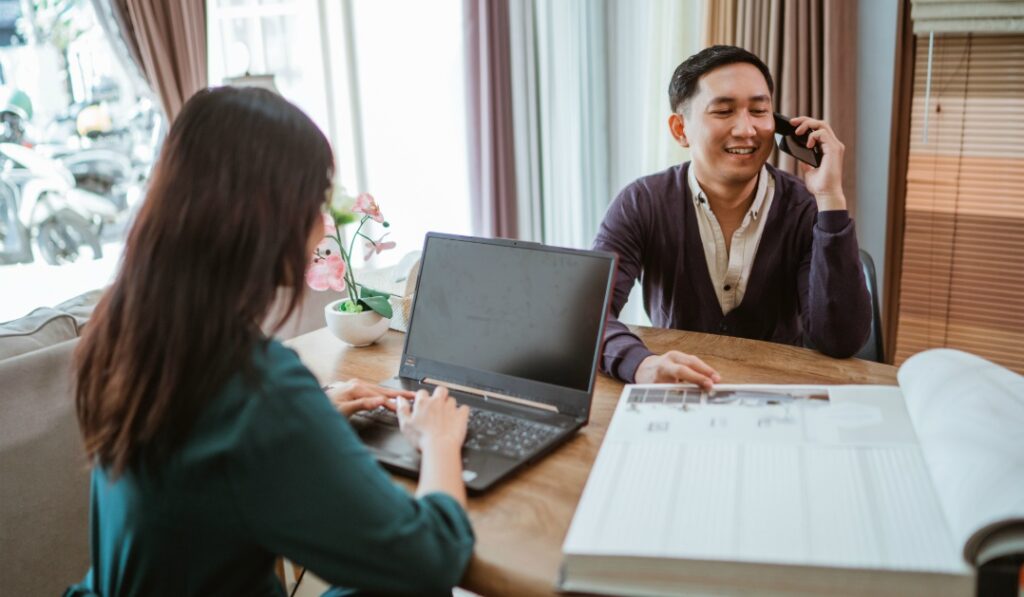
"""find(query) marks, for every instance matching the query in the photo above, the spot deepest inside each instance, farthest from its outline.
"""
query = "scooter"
(111, 162)
(14, 236)
(65, 220)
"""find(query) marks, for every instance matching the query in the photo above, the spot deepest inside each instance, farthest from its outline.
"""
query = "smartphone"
(793, 144)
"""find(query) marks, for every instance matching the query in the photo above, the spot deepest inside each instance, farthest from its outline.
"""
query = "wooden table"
(520, 525)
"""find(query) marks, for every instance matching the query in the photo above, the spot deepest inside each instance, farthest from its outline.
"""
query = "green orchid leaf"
(365, 291)
(379, 304)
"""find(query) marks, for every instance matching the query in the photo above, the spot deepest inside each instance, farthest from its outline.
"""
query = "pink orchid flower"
(367, 205)
(371, 248)
(328, 246)
(327, 269)
(327, 272)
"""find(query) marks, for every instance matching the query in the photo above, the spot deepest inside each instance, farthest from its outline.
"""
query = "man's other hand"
(676, 367)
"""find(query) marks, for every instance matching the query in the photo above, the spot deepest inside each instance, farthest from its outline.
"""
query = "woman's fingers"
(404, 408)
(365, 388)
(351, 407)
(405, 415)
(342, 393)
(433, 417)
(393, 393)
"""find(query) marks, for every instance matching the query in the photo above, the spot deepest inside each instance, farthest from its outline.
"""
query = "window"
(412, 97)
(962, 280)
(279, 38)
(387, 91)
(80, 133)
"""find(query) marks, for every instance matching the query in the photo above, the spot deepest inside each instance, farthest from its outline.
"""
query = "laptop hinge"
(487, 395)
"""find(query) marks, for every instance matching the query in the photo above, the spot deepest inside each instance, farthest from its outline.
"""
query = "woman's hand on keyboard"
(433, 419)
(354, 395)
(436, 425)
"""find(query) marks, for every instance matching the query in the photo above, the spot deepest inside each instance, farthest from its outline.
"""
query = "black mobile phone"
(793, 144)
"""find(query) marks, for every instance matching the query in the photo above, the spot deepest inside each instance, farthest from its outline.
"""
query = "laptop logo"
(410, 361)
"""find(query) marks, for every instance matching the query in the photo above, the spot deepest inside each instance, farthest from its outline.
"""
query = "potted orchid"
(362, 317)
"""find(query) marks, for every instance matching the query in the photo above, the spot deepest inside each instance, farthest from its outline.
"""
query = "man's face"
(728, 124)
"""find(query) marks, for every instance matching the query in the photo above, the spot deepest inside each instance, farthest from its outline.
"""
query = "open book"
(806, 490)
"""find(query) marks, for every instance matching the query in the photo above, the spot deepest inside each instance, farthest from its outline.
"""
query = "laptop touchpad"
(388, 442)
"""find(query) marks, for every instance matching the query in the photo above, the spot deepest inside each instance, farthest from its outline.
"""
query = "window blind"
(968, 16)
(962, 282)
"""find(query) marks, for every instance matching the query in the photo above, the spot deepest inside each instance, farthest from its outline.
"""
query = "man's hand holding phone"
(826, 181)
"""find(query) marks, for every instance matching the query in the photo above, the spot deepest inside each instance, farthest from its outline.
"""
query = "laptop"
(514, 331)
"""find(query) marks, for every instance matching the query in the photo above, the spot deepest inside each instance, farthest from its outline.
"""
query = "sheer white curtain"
(559, 68)
(647, 43)
(590, 106)
(526, 119)
(590, 81)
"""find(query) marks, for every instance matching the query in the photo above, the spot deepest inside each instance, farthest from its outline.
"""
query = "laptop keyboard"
(489, 431)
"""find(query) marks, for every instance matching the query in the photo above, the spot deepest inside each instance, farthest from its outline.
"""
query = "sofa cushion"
(81, 307)
(44, 476)
(42, 328)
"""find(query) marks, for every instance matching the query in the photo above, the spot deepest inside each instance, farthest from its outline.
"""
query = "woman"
(214, 449)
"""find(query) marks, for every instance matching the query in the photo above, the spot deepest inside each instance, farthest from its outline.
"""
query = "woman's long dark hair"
(233, 199)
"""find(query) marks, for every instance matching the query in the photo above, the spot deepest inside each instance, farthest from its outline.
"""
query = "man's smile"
(741, 150)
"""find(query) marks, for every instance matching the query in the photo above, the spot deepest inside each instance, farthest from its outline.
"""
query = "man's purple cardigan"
(806, 282)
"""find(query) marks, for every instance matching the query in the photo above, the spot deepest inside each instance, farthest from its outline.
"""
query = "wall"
(876, 57)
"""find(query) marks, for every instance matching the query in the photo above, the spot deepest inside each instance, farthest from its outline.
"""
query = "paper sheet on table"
(765, 474)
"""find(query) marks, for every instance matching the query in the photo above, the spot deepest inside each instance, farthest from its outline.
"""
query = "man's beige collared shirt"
(730, 269)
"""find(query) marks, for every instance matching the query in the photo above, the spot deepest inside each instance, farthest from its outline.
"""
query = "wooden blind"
(968, 16)
(963, 253)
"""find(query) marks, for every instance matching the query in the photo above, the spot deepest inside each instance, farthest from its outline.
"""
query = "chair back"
(873, 349)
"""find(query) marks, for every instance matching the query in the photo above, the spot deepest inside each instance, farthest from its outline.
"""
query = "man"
(728, 244)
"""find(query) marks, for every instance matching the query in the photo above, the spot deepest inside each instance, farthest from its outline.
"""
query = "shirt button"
(728, 287)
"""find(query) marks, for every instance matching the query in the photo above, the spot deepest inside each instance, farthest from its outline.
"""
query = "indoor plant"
(362, 317)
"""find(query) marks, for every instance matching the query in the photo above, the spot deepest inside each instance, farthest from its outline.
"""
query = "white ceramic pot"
(356, 329)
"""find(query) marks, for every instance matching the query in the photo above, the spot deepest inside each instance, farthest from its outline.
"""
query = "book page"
(969, 416)
(774, 474)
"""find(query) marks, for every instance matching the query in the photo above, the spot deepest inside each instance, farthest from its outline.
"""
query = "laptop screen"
(512, 308)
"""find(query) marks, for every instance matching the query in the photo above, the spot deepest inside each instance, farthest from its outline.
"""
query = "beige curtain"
(811, 48)
(719, 23)
(168, 41)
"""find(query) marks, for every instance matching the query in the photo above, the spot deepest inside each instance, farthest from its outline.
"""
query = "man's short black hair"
(684, 81)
